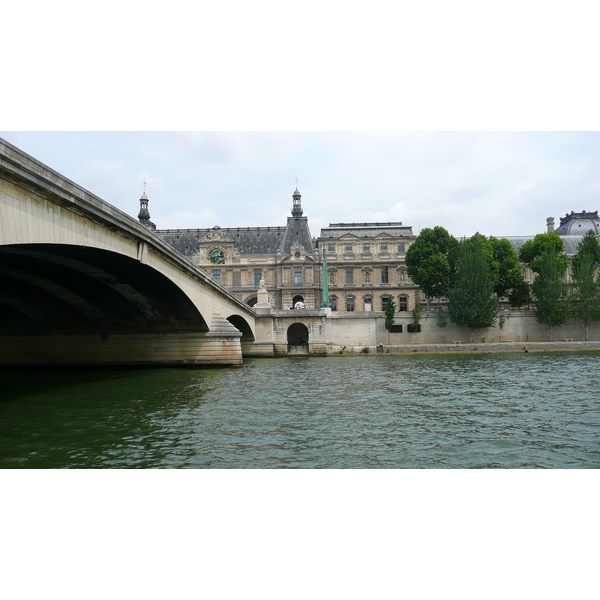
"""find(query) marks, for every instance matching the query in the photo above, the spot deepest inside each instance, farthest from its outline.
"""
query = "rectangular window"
(411, 328)
(366, 248)
(257, 277)
(384, 302)
(349, 275)
(297, 275)
(330, 249)
(350, 303)
(396, 329)
(383, 248)
(348, 249)
(217, 275)
(401, 248)
(385, 275)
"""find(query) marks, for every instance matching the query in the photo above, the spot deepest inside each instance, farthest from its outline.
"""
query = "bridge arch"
(243, 327)
(65, 289)
(78, 266)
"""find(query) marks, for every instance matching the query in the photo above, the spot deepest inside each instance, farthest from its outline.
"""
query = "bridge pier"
(85, 284)
(155, 349)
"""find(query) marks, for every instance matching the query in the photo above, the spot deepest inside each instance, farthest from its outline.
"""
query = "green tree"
(520, 294)
(390, 311)
(550, 288)
(472, 301)
(505, 270)
(588, 247)
(429, 261)
(507, 273)
(532, 250)
(584, 296)
(416, 315)
(441, 320)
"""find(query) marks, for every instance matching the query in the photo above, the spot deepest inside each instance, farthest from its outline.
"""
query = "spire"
(144, 215)
(296, 206)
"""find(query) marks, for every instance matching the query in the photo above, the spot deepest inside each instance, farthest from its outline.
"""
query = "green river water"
(536, 410)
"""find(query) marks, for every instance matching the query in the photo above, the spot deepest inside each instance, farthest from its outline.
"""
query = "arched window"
(403, 303)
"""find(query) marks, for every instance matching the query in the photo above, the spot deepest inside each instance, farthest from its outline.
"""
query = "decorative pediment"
(216, 234)
(298, 252)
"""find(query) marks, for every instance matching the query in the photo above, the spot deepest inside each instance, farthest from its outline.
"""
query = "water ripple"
(432, 411)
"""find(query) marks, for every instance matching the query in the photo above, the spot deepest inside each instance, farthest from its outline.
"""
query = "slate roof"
(579, 223)
(366, 230)
(570, 242)
(246, 240)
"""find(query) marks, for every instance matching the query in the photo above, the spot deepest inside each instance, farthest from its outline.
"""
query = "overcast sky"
(260, 95)
(322, 66)
(496, 183)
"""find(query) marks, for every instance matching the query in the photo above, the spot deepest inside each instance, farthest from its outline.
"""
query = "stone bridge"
(83, 283)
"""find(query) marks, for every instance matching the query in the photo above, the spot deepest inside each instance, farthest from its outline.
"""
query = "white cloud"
(496, 183)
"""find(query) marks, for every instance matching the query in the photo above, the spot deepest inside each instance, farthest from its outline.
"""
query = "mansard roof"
(366, 230)
(246, 240)
(570, 242)
(579, 223)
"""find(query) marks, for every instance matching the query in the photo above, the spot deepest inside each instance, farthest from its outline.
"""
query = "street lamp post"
(325, 303)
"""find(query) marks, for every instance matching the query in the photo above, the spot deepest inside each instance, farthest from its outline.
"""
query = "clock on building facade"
(216, 256)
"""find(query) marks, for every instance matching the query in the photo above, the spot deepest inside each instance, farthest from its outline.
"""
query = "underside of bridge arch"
(58, 302)
(70, 289)
(243, 326)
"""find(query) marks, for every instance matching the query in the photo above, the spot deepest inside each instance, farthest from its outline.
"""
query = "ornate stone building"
(365, 261)
(366, 266)
(239, 257)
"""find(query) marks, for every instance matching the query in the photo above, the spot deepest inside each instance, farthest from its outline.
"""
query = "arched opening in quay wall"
(298, 339)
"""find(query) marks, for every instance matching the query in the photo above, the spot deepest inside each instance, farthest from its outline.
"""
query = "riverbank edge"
(473, 348)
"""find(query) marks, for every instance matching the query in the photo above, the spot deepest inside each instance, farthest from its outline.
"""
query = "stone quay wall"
(334, 332)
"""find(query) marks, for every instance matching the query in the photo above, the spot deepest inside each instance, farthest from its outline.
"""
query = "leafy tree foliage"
(432, 260)
(441, 320)
(532, 250)
(429, 261)
(520, 294)
(472, 301)
(585, 291)
(416, 314)
(507, 273)
(550, 288)
(588, 247)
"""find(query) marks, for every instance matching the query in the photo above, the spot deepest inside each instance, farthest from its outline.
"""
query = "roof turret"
(579, 223)
(296, 206)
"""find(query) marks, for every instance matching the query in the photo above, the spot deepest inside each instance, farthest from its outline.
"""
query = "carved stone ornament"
(216, 234)
(298, 252)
